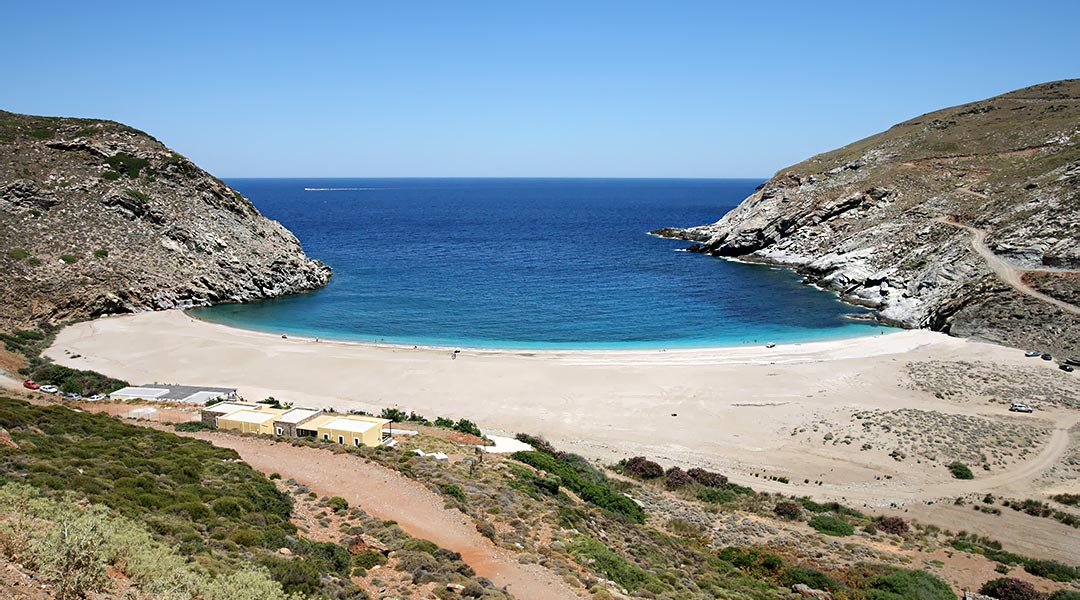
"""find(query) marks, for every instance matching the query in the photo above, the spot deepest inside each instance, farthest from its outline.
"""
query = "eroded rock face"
(864, 220)
(99, 218)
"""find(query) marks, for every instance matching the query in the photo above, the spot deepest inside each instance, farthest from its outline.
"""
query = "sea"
(529, 264)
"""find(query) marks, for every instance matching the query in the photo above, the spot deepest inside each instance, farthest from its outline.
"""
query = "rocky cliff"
(896, 221)
(99, 218)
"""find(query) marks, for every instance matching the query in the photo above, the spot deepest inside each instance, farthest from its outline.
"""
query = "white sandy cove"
(735, 407)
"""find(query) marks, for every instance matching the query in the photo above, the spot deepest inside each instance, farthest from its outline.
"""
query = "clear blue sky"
(507, 88)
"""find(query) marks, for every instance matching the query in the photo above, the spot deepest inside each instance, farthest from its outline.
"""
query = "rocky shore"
(99, 218)
(874, 220)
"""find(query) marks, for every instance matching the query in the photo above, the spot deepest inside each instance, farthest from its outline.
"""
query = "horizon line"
(487, 177)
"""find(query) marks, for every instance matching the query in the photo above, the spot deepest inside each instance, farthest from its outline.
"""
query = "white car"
(96, 397)
(1021, 407)
(49, 389)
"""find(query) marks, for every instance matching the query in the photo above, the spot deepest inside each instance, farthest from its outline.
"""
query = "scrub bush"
(830, 525)
(642, 468)
(677, 478)
(1010, 588)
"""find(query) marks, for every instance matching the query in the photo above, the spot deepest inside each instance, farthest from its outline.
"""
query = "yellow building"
(250, 420)
(351, 430)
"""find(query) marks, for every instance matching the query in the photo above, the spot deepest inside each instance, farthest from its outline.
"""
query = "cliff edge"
(98, 218)
(965, 220)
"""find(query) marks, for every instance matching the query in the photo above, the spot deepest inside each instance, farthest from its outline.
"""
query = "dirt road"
(1008, 273)
(387, 494)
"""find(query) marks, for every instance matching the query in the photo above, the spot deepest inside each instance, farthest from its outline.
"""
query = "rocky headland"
(965, 220)
(99, 218)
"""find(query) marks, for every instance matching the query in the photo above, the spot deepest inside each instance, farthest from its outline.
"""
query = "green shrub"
(101, 253)
(126, 164)
(368, 558)
(17, 253)
(453, 491)
(190, 426)
(338, 503)
(756, 562)
(1051, 569)
(960, 471)
(69, 258)
(1064, 595)
(594, 489)
(110, 175)
(903, 584)
(420, 545)
(1067, 499)
(395, 415)
(467, 426)
(811, 577)
(830, 525)
(607, 562)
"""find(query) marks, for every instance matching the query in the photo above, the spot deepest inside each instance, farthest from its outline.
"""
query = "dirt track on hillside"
(386, 494)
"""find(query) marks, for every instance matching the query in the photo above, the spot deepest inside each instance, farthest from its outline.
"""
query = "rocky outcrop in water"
(99, 218)
(871, 220)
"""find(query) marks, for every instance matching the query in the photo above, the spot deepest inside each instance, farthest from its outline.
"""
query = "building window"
(341, 439)
(279, 431)
(326, 436)
(356, 442)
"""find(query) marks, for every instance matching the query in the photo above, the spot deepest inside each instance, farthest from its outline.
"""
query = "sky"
(521, 89)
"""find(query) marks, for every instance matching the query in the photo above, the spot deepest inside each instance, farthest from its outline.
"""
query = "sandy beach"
(827, 416)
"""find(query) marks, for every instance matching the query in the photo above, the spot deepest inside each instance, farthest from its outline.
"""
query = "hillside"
(97, 218)
(167, 516)
(875, 220)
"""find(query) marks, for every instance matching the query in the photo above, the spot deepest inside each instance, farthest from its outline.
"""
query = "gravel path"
(387, 494)
(1008, 273)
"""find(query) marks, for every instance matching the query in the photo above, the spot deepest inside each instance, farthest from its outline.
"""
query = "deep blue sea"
(528, 263)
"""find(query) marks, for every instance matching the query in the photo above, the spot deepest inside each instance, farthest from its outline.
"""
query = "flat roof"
(250, 416)
(180, 393)
(298, 414)
(148, 393)
(227, 407)
(347, 424)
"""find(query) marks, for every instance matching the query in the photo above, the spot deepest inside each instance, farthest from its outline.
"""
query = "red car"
(30, 385)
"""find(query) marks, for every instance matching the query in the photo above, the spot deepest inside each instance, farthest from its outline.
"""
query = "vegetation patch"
(830, 525)
(18, 253)
(585, 481)
(960, 471)
(126, 164)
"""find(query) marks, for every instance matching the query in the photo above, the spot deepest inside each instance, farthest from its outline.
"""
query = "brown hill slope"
(874, 220)
(97, 217)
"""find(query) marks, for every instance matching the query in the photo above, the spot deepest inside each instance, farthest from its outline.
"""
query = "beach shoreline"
(748, 411)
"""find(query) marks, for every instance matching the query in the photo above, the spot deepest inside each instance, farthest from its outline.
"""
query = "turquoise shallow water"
(528, 264)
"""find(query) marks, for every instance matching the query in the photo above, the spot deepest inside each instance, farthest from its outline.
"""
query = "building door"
(326, 436)
(341, 439)
(356, 442)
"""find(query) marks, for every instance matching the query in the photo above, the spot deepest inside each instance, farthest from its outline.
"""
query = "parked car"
(1073, 360)
(73, 396)
(1067, 368)
(30, 385)
(1047, 357)
(49, 389)
(95, 397)
(1032, 353)
(1021, 407)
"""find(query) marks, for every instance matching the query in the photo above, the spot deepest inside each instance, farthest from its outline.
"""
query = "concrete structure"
(174, 393)
(210, 414)
(351, 430)
(249, 420)
(287, 423)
